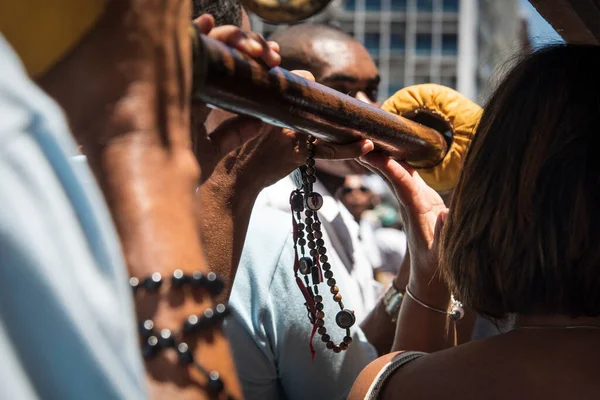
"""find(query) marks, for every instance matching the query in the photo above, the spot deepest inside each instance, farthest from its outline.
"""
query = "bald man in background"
(270, 331)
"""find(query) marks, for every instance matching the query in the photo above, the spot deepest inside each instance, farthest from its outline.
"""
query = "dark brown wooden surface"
(227, 79)
(577, 21)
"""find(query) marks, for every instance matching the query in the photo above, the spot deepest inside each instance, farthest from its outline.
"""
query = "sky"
(540, 31)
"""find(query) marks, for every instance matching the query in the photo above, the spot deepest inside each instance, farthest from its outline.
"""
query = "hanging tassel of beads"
(314, 267)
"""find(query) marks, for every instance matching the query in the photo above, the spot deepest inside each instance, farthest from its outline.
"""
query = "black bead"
(302, 242)
(215, 384)
(344, 346)
(308, 221)
(305, 264)
(315, 275)
(179, 278)
(331, 282)
(297, 202)
(319, 306)
(191, 324)
(328, 274)
(221, 312)
(311, 245)
(345, 319)
(301, 226)
(198, 279)
(326, 338)
(166, 339)
(330, 345)
(314, 253)
(150, 347)
(310, 146)
(308, 213)
(310, 154)
(300, 234)
(134, 283)
(318, 234)
(316, 226)
(347, 339)
(322, 330)
(318, 299)
(311, 179)
(322, 250)
(310, 236)
(310, 162)
(216, 285)
(324, 258)
(184, 354)
(337, 349)
(326, 266)
(320, 242)
(153, 282)
(146, 328)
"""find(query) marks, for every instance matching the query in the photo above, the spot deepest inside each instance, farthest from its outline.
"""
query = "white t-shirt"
(67, 326)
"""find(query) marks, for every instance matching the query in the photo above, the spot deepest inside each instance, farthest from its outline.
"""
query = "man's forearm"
(224, 214)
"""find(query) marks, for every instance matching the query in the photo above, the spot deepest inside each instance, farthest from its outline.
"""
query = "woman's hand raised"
(423, 212)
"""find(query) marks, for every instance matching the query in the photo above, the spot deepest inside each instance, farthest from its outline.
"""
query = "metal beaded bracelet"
(152, 283)
(154, 341)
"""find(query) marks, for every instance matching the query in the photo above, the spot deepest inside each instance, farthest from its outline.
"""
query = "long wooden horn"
(232, 81)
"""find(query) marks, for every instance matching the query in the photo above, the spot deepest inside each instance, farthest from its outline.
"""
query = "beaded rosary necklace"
(314, 267)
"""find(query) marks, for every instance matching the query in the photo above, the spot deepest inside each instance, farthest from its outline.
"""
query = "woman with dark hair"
(520, 240)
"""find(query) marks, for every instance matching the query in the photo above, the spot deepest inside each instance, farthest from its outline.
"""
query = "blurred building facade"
(457, 43)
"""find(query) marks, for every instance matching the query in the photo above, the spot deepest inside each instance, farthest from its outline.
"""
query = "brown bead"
(324, 259)
(322, 250)
(310, 170)
(336, 349)
(326, 338)
(347, 339)
(311, 245)
(316, 226)
(310, 162)
(326, 266)
(322, 330)
(319, 306)
(319, 322)
(343, 346)
(311, 179)
(318, 235)
(310, 236)
(314, 253)
(330, 345)
(331, 282)
(308, 213)
(328, 274)
(334, 290)
(337, 298)
(318, 299)
(320, 242)
(301, 242)
(310, 154)
(308, 220)
(320, 314)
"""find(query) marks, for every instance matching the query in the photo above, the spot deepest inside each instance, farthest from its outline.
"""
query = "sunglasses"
(348, 190)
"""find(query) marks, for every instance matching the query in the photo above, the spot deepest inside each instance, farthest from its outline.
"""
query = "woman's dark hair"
(523, 232)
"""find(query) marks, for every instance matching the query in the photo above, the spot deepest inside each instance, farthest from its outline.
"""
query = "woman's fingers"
(407, 188)
(329, 151)
(304, 74)
(204, 23)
